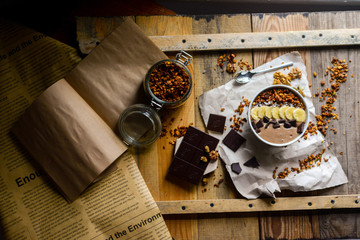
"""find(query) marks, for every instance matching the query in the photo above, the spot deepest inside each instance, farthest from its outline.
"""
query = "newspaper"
(70, 128)
(119, 206)
(253, 182)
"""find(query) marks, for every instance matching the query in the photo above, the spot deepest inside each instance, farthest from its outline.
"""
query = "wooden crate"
(232, 216)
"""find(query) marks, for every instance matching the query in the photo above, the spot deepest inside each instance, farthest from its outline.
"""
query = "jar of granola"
(167, 84)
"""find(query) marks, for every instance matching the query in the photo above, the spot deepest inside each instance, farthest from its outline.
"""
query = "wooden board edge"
(259, 205)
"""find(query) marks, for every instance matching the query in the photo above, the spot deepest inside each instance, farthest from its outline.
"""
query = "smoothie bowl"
(278, 115)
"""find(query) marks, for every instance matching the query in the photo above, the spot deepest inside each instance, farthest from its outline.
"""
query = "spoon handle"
(274, 68)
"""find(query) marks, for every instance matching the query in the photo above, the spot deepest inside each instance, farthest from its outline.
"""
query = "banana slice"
(268, 112)
(282, 111)
(275, 113)
(299, 114)
(262, 111)
(289, 113)
(254, 113)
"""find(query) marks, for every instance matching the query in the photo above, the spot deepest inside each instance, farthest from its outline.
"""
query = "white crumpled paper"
(252, 182)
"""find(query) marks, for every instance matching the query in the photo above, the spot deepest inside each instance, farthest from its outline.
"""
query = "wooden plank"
(259, 205)
(284, 23)
(258, 40)
(223, 226)
(155, 160)
(91, 31)
(347, 139)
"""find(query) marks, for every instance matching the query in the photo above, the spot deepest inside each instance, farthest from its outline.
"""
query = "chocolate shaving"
(276, 125)
(282, 121)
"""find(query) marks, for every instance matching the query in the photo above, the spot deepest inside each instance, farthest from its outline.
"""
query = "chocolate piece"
(273, 121)
(293, 122)
(216, 123)
(253, 124)
(187, 163)
(276, 125)
(235, 167)
(185, 171)
(282, 121)
(266, 119)
(233, 140)
(252, 163)
(300, 128)
(259, 124)
(200, 139)
(287, 124)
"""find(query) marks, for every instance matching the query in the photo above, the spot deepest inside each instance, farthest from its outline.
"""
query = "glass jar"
(139, 125)
(161, 70)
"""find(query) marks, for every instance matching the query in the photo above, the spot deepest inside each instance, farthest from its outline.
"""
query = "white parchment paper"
(253, 182)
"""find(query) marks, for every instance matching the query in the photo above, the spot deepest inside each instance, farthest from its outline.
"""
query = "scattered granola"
(338, 75)
(310, 162)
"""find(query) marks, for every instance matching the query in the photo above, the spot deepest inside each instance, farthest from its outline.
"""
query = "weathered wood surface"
(259, 205)
(154, 162)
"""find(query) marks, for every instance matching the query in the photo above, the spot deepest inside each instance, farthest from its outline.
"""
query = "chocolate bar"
(233, 140)
(187, 163)
(216, 123)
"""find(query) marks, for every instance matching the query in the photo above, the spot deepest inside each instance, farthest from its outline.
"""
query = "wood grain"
(222, 226)
(155, 161)
(347, 138)
(280, 23)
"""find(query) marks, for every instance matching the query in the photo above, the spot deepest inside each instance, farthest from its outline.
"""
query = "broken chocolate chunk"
(276, 125)
(266, 119)
(273, 121)
(293, 122)
(282, 121)
(235, 167)
(233, 140)
(259, 124)
(252, 163)
(253, 124)
(287, 124)
(300, 128)
(216, 123)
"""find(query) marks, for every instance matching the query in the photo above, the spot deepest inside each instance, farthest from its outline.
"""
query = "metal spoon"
(245, 76)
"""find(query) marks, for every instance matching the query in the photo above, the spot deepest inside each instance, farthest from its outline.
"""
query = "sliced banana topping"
(282, 111)
(299, 114)
(254, 113)
(275, 113)
(262, 111)
(268, 112)
(289, 113)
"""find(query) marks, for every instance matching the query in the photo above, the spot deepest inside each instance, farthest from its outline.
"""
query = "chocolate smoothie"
(278, 115)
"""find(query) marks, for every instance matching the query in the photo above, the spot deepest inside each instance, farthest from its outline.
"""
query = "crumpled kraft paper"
(253, 182)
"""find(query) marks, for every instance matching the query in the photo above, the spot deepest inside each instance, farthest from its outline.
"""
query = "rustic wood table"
(154, 161)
